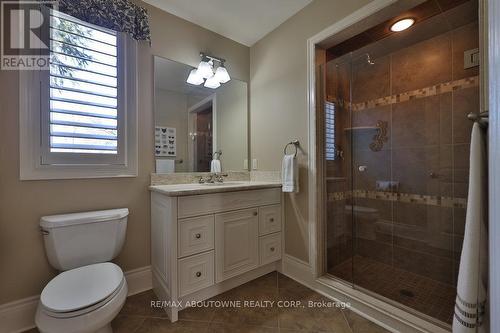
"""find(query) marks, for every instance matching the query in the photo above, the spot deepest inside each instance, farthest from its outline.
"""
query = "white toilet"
(90, 291)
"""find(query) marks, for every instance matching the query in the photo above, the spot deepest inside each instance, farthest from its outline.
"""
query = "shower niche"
(394, 150)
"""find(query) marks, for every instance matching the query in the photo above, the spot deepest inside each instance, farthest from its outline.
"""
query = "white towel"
(470, 305)
(215, 166)
(290, 174)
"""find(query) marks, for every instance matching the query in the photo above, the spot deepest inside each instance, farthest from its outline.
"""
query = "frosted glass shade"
(222, 75)
(212, 82)
(205, 69)
(194, 78)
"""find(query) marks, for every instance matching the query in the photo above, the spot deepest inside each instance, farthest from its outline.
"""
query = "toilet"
(90, 291)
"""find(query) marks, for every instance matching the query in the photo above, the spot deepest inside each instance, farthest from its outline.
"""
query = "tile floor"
(425, 295)
(138, 317)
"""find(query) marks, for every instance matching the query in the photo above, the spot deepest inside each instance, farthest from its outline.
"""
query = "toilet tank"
(79, 239)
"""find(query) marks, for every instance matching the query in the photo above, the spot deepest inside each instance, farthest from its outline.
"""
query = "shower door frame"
(375, 307)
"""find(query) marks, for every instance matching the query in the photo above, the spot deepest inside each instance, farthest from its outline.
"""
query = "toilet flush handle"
(44, 232)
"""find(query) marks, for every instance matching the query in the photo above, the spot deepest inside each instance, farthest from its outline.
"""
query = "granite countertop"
(178, 190)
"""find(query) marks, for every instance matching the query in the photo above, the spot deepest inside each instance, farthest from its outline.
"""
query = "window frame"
(36, 160)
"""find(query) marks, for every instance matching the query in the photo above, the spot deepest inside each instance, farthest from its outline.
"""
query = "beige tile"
(127, 324)
(140, 305)
(241, 328)
(156, 325)
(359, 324)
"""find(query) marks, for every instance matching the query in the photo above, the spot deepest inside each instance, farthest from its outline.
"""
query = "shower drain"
(406, 293)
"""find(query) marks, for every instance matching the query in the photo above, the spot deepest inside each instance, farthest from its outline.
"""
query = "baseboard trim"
(19, 316)
(386, 315)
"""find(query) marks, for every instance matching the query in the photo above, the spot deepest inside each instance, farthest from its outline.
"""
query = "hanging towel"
(290, 174)
(215, 166)
(470, 305)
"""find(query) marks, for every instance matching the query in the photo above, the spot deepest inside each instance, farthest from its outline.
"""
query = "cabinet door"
(237, 243)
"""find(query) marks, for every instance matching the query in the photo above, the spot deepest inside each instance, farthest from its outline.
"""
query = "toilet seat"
(81, 290)
(92, 318)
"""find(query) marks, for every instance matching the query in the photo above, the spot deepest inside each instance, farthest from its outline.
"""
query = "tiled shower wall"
(424, 94)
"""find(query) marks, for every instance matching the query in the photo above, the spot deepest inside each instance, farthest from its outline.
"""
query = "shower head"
(369, 60)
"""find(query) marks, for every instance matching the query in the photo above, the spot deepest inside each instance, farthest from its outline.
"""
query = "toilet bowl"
(82, 300)
(90, 291)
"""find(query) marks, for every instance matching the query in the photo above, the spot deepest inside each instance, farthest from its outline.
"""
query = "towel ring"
(217, 154)
(295, 143)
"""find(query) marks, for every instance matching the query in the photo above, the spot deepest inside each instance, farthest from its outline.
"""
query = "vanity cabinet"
(205, 244)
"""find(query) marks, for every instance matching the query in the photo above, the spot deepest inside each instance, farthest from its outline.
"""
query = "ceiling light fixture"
(402, 24)
(205, 72)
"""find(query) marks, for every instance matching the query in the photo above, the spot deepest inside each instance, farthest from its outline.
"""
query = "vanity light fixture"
(194, 78)
(205, 68)
(221, 74)
(212, 82)
(402, 24)
(205, 72)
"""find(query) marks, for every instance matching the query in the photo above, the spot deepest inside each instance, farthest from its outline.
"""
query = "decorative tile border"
(193, 177)
(437, 89)
(419, 199)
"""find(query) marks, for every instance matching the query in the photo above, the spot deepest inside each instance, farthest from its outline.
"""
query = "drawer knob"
(198, 236)
(198, 274)
(271, 219)
(272, 249)
(255, 213)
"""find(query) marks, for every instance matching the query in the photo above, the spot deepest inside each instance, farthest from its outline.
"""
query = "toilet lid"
(81, 287)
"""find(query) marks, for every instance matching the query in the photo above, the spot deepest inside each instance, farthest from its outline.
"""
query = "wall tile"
(464, 38)
(371, 81)
(465, 101)
(416, 122)
(421, 65)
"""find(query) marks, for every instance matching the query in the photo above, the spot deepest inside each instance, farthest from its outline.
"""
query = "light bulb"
(194, 78)
(212, 82)
(402, 24)
(205, 69)
(222, 75)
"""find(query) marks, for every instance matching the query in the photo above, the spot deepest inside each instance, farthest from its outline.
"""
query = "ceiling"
(243, 21)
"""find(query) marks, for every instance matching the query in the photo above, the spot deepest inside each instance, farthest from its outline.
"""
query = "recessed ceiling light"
(402, 24)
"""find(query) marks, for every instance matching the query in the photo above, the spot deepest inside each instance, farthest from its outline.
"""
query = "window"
(86, 104)
(330, 147)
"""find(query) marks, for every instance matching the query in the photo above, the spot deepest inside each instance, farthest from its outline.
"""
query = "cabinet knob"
(255, 213)
(197, 236)
(272, 249)
(271, 219)
(198, 274)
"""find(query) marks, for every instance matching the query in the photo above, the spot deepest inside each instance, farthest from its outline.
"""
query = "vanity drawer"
(270, 248)
(195, 273)
(269, 219)
(195, 235)
(204, 204)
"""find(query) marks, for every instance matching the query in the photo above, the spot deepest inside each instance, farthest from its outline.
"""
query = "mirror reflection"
(198, 129)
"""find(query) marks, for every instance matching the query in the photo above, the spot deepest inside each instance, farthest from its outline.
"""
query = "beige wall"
(24, 268)
(278, 106)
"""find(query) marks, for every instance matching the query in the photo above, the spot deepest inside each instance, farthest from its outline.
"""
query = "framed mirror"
(195, 125)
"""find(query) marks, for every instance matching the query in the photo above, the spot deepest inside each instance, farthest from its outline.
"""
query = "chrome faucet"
(213, 178)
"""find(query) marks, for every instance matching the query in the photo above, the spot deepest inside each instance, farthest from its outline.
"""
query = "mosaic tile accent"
(419, 199)
(437, 89)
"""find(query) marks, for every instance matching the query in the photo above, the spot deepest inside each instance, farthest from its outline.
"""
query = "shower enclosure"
(395, 159)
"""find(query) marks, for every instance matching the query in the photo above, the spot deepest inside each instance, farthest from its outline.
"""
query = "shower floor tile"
(425, 295)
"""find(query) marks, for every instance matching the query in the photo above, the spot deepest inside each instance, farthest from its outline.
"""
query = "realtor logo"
(25, 27)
